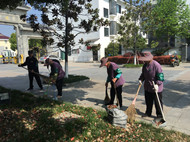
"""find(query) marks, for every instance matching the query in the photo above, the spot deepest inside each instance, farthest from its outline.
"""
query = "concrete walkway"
(91, 93)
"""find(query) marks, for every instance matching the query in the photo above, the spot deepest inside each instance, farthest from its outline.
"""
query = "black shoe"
(159, 116)
(109, 104)
(29, 89)
(146, 115)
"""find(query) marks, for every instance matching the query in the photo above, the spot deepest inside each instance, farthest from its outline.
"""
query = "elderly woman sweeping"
(116, 79)
(153, 78)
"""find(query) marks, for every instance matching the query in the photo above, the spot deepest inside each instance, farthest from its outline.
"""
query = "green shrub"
(179, 57)
(75, 78)
(132, 65)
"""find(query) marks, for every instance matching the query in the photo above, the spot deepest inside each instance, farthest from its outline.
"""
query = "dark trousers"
(59, 84)
(31, 76)
(149, 98)
(119, 94)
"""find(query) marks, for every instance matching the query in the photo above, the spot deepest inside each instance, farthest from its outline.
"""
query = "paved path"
(90, 93)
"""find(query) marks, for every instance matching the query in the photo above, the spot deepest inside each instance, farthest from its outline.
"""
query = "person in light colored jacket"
(152, 72)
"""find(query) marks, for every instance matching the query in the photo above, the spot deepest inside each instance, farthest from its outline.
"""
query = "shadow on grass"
(27, 118)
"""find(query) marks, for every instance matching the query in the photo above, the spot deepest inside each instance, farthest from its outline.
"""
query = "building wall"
(84, 55)
(4, 44)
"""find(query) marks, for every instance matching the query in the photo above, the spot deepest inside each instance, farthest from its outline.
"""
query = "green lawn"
(31, 119)
(75, 78)
(132, 65)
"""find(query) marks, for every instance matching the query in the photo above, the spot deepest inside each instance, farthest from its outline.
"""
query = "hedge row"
(163, 60)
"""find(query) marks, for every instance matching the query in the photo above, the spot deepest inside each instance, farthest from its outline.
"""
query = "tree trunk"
(66, 44)
(135, 59)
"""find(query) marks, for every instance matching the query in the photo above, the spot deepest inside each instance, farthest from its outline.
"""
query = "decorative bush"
(163, 60)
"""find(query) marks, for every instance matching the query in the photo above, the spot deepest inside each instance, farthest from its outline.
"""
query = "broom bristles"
(131, 112)
(107, 99)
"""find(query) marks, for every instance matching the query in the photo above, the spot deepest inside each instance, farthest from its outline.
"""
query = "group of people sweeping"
(152, 76)
(56, 75)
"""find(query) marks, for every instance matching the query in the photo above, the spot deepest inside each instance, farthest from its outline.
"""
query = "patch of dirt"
(66, 116)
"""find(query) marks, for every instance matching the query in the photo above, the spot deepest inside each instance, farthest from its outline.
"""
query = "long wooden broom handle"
(137, 93)
(35, 72)
(159, 103)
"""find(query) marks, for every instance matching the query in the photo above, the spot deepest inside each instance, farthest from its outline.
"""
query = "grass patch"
(31, 119)
(75, 78)
(132, 66)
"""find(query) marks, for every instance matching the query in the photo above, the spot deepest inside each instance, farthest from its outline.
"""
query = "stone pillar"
(24, 46)
(19, 52)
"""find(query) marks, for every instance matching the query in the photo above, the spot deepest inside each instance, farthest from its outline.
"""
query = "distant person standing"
(32, 65)
(151, 72)
(57, 74)
(116, 79)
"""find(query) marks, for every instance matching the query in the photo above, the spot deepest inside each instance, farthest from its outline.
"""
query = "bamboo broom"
(131, 111)
(107, 99)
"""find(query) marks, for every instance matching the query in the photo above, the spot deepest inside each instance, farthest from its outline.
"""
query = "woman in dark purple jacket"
(57, 74)
(152, 72)
(116, 79)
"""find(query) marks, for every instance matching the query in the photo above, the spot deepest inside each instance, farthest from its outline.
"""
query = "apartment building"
(108, 9)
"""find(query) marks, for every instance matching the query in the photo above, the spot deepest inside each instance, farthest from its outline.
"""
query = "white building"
(108, 9)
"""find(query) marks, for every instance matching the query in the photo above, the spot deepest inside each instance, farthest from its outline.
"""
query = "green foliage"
(112, 49)
(169, 18)
(64, 19)
(132, 66)
(75, 78)
(154, 44)
(160, 51)
(179, 57)
(35, 43)
(28, 118)
(13, 41)
(131, 25)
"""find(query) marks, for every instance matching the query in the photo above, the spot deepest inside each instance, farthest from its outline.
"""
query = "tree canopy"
(132, 25)
(13, 41)
(169, 18)
(112, 49)
(64, 19)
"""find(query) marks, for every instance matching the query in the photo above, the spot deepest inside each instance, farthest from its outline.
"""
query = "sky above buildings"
(8, 30)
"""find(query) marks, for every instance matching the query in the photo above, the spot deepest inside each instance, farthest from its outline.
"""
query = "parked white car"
(43, 58)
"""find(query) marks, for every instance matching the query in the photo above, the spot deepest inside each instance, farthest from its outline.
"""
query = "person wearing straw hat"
(57, 74)
(151, 72)
(116, 79)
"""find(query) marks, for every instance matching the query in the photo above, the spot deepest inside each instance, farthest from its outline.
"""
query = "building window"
(105, 12)
(106, 31)
(118, 7)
